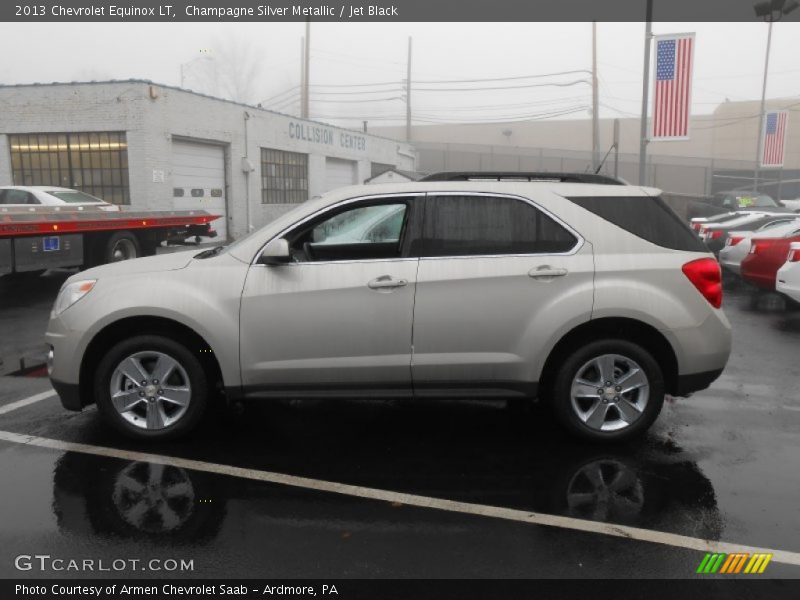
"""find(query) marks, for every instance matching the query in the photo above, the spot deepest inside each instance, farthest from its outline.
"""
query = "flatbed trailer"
(35, 239)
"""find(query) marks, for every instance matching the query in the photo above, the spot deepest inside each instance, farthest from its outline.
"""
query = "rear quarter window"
(646, 217)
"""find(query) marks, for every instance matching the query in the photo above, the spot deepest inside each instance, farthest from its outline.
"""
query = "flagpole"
(761, 112)
(645, 92)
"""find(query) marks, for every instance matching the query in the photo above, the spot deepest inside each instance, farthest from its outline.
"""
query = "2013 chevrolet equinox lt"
(596, 298)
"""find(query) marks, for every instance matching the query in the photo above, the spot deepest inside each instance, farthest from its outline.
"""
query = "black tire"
(121, 245)
(199, 395)
(561, 399)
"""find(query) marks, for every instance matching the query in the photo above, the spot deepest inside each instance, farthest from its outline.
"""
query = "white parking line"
(495, 512)
(7, 408)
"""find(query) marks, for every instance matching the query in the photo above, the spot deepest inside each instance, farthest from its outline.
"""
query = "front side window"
(489, 225)
(359, 232)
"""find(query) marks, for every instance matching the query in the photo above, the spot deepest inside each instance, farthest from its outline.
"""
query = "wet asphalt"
(721, 465)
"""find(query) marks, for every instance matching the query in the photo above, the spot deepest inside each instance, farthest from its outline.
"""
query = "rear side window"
(489, 225)
(646, 217)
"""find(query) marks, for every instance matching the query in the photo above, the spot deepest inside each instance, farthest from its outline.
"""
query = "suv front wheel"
(151, 387)
(608, 390)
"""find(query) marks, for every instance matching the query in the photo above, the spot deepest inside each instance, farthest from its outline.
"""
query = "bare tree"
(232, 71)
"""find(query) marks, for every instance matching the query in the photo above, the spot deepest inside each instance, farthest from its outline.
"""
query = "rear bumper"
(69, 394)
(695, 382)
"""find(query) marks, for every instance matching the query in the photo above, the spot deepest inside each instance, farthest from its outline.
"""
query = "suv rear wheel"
(151, 387)
(608, 390)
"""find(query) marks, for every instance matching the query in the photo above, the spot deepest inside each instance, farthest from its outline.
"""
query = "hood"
(150, 264)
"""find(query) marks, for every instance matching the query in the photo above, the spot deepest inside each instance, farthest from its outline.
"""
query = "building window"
(95, 163)
(284, 177)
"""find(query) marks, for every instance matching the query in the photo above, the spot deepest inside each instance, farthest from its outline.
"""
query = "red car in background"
(766, 256)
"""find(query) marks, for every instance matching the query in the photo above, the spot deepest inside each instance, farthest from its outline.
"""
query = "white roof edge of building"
(195, 93)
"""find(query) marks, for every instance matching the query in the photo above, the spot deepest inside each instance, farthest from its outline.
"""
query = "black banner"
(377, 10)
(416, 589)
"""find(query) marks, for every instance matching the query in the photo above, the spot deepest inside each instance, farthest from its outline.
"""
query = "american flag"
(774, 139)
(671, 100)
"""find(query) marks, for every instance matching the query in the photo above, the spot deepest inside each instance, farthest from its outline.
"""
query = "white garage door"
(198, 181)
(339, 173)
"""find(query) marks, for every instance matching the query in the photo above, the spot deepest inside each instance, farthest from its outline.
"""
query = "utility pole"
(616, 148)
(648, 34)
(595, 102)
(304, 111)
(302, 73)
(760, 136)
(408, 93)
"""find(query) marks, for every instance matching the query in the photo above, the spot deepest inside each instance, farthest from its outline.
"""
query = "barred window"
(95, 163)
(284, 177)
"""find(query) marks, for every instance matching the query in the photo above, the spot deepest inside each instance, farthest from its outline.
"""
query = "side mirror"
(275, 253)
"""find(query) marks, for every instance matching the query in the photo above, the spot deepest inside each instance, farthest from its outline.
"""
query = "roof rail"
(522, 176)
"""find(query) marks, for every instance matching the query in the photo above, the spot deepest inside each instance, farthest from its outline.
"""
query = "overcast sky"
(728, 64)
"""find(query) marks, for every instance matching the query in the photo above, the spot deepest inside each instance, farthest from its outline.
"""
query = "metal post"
(761, 112)
(616, 147)
(408, 93)
(306, 71)
(595, 103)
(302, 73)
(648, 34)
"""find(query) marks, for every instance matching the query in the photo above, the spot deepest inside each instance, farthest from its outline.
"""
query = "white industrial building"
(159, 147)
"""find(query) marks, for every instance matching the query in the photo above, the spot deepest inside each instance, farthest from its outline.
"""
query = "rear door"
(497, 278)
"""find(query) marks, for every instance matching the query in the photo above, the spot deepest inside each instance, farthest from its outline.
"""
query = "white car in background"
(31, 196)
(792, 204)
(788, 278)
(737, 246)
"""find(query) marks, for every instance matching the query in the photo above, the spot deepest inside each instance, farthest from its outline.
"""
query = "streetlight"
(206, 55)
(770, 11)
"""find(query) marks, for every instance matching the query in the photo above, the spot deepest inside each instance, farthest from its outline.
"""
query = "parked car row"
(763, 248)
(739, 201)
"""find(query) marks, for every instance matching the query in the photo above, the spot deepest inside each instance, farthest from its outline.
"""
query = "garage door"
(198, 180)
(339, 173)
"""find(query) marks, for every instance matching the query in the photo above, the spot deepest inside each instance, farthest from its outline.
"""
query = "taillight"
(732, 241)
(705, 275)
(794, 255)
(713, 235)
(753, 248)
(697, 226)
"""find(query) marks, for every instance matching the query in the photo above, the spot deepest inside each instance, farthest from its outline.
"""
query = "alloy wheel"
(150, 390)
(609, 392)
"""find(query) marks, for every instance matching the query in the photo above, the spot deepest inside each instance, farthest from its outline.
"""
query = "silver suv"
(594, 297)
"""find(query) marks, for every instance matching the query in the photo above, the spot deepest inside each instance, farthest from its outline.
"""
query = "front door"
(338, 318)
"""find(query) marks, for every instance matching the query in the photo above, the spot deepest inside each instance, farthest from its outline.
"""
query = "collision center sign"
(319, 134)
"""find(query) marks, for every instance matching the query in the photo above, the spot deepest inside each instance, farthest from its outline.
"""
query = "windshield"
(75, 197)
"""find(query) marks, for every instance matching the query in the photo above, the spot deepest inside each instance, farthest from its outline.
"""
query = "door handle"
(546, 271)
(386, 282)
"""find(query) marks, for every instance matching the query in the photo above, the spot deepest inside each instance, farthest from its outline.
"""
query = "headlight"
(71, 293)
